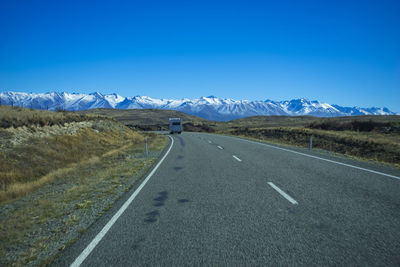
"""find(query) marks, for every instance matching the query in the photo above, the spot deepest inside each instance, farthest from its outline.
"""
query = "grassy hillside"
(144, 118)
(35, 143)
(301, 121)
(267, 121)
(59, 171)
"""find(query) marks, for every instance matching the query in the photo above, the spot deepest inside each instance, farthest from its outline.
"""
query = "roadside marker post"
(145, 143)
(311, 143)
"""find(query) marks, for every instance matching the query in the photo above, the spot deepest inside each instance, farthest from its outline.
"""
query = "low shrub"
(355, 125)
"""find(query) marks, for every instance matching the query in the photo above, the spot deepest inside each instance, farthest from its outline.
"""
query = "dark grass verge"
(350, 143)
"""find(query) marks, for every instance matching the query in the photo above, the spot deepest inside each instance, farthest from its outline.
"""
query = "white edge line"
(291, 200)
(328, 160)
(236, 158)
(220, 147)
(78, 261)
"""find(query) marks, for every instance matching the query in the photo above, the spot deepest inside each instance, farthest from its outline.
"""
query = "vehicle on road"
(175, 125)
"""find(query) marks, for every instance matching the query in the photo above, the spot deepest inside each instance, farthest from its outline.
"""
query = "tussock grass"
(18, 117)
(28, 165)
(18, 189)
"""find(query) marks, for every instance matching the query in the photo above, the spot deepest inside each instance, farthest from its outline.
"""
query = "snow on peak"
(210, 107)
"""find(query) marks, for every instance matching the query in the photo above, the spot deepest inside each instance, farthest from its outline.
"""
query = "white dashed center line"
(236, 158)
(220, 147)
(209, 141)
(291, 200)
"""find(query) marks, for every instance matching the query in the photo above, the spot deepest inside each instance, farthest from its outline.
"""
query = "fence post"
(145, 143)
(310, 142)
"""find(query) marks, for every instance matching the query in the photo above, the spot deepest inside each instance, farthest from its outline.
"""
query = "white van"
(175, 125)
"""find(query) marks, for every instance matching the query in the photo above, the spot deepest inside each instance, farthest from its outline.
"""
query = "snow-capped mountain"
(211, 107)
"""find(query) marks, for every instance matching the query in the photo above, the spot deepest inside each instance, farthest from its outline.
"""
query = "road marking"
(328, 160)
(236, 158)
(220, 147)
(291, 200)
(209, 141)
(78, 261)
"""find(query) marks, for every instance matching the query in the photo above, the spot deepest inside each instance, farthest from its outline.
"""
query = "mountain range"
(211, 107)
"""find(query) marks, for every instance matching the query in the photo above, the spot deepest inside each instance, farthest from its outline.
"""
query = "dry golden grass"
(28, 165)
(18, 117)
(17, 189)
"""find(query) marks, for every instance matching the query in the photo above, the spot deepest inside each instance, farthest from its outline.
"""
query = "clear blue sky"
(340, 52)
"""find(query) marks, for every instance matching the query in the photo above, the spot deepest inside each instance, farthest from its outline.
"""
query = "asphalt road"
(203, 206)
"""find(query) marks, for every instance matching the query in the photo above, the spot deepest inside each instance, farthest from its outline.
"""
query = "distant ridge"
(211, 107)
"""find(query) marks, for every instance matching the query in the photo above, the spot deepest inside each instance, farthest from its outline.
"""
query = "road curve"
(219, 200)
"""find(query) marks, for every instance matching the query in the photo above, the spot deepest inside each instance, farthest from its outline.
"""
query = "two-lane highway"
(219, 200)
